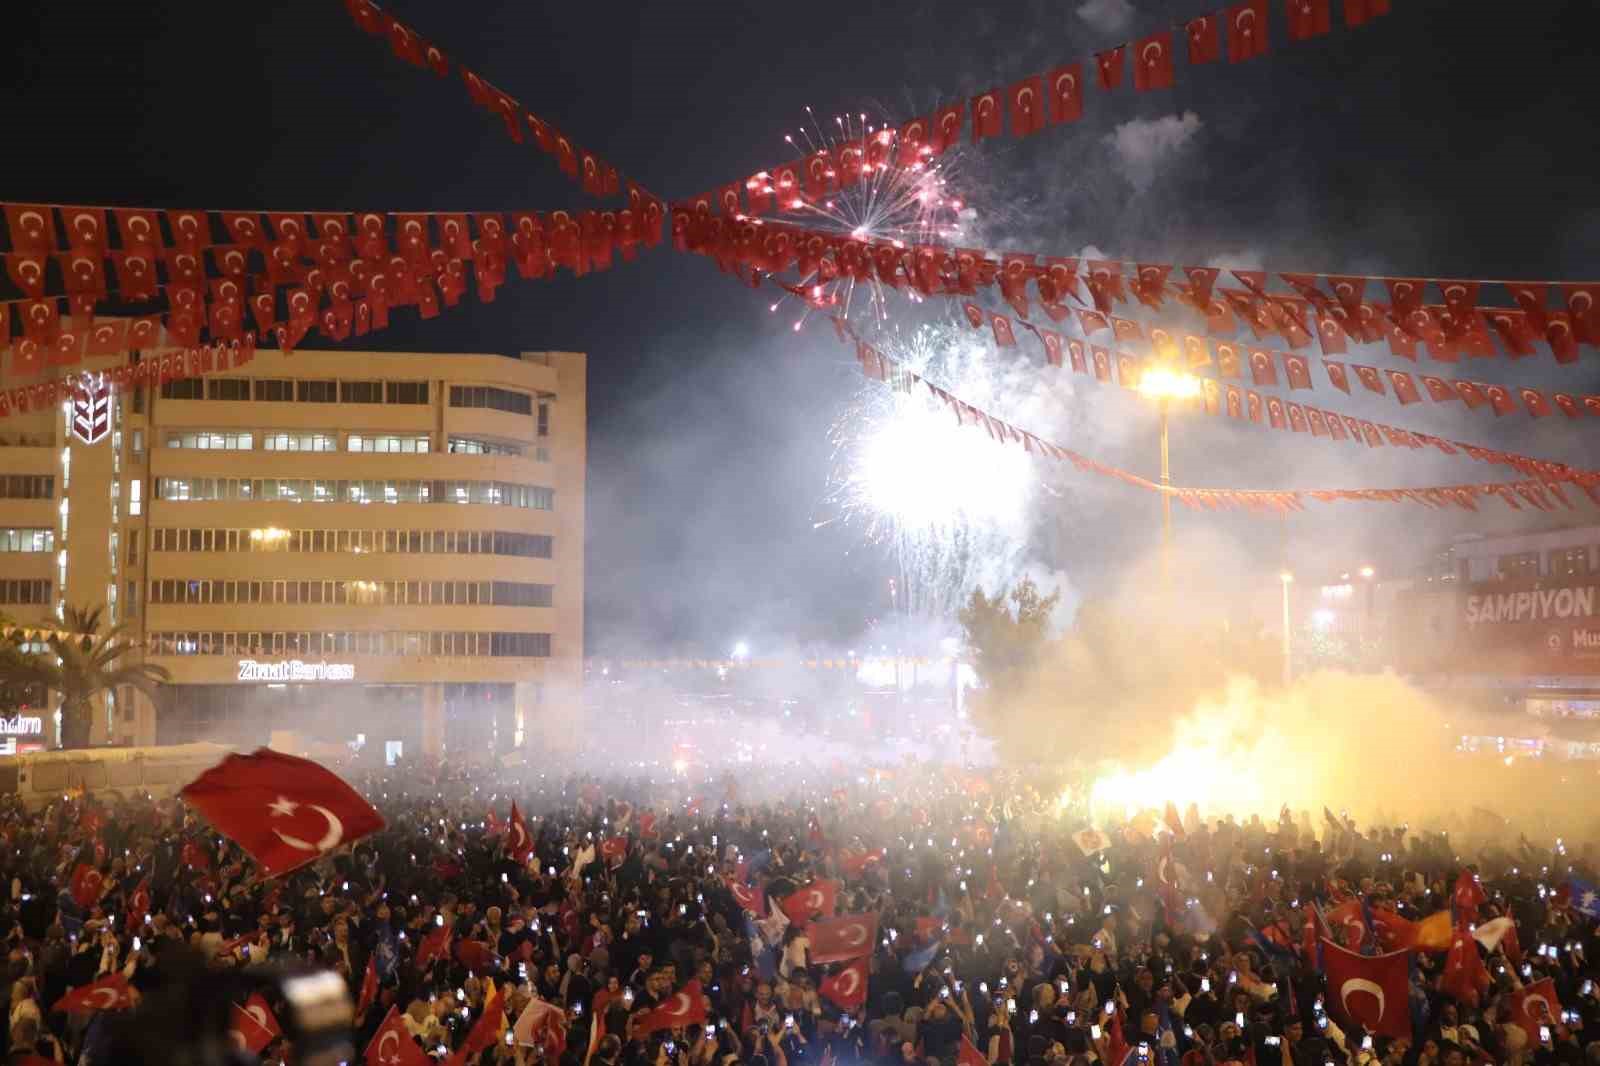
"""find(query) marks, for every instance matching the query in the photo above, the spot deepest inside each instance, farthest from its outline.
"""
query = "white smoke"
(1144, 146)
(1109, 16)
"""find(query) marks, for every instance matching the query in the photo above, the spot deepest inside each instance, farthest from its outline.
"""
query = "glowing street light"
(741, 650)
(1164, 384)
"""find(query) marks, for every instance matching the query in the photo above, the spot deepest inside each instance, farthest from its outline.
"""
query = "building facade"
(358, 547)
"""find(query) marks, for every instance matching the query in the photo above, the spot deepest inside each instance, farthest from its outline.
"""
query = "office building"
(356, 547)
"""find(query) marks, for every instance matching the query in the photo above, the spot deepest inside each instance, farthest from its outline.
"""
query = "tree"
(90, 662)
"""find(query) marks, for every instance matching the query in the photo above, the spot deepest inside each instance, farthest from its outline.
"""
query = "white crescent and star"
(1145, 52)
(849, 982)
(104, 998)
(384, 1052)
(284, 807)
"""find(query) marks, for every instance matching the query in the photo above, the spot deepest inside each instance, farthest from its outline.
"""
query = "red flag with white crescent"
(392, 1044)
(849, 936)
(686, 1007)
(519, 844)
(282, 810)
(1372, 990)
(1534, 1006)
(111, 992)
(819, 897)
(1247, 30)
(846, 989)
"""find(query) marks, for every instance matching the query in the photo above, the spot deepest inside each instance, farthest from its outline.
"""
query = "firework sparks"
(912, 204)
(948, 501)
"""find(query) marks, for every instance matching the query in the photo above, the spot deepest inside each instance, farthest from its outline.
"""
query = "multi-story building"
(355, 546)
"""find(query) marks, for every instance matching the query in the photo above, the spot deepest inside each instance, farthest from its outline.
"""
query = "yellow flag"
(1433, 932)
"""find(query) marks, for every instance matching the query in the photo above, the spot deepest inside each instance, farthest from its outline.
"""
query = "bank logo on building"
(91, 409)
(295, 670)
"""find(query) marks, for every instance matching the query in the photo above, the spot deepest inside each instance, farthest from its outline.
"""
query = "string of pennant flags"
(284, 273)
(1543, 491)
(1231, 360)
(1044, 100)
(1330, 309)
(596, 177)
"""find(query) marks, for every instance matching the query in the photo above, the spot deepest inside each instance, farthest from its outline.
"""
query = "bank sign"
(287, 671)
(1543, 627)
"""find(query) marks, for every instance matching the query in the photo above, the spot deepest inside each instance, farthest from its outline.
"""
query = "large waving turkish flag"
(284, 811)
(846, 989)
(1371, 989)
(819, 897)
(111, 992)
(392, 1045)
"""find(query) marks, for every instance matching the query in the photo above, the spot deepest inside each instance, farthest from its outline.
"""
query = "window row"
(28, 487)
(355, 593)
(291, 390)
(244, 440)
(455, 644)
(328, 490)
(13, 539)
(356, 541)
(515, 403)
(24, 591)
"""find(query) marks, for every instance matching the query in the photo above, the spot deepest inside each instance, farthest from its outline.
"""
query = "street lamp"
(1286, 579)
(1164, 384)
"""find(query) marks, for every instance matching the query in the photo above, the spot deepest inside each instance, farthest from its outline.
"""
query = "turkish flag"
(819, 897)
(846, 989)
(1308, 19)
(1066, 93)
(41, 320)
(369, 986)
(136, 275)
(1583, 309)
(475, 955)
(1003, 336)
(1534, 401)
(1562, 337)
(1514, 331)
(1298, 370)
(1262, 369)
(1152, 59)
(946, 131)
(262, 1028)
(436, 945)
(87, 883)
(1439, 390)
(1471, 395)
(519, 844)
(1109, 64)
(1331, 333)
(850, 936)
(1405, 389)
(1229, 363)
(250, 1034)
(1568, 404)
(392, 1044)
(282, 810)
(1275, 413)
(749, 899)
(1369, 377)
(687, 1007)
(1372, 990)
(1357, 12)
(27, 272)
(1247, 30)
(1052, 346)
(1128, 370)
(1465, 978)
(1027, 106)
(1534, 1006)
(985, 116)
(1205, 40)
(111, 992)
(33, 230)
(969, 1055)
(1468, 894)
(614, 849)
(1080, 365)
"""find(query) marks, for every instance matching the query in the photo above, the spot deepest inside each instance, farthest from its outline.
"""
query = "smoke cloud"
(1108, 16)
(1144, 147)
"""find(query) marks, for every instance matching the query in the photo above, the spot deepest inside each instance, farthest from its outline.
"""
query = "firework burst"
(914, 203)
(949, 503)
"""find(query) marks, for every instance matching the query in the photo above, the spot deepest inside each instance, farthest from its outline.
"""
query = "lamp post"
(1164, 384)
(1286, 579)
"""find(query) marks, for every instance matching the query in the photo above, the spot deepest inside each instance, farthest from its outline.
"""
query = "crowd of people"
(684, 921)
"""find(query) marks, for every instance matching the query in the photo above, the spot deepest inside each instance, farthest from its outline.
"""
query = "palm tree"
(87, 665)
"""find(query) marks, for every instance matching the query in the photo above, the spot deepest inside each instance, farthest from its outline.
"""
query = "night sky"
(1447, 138)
